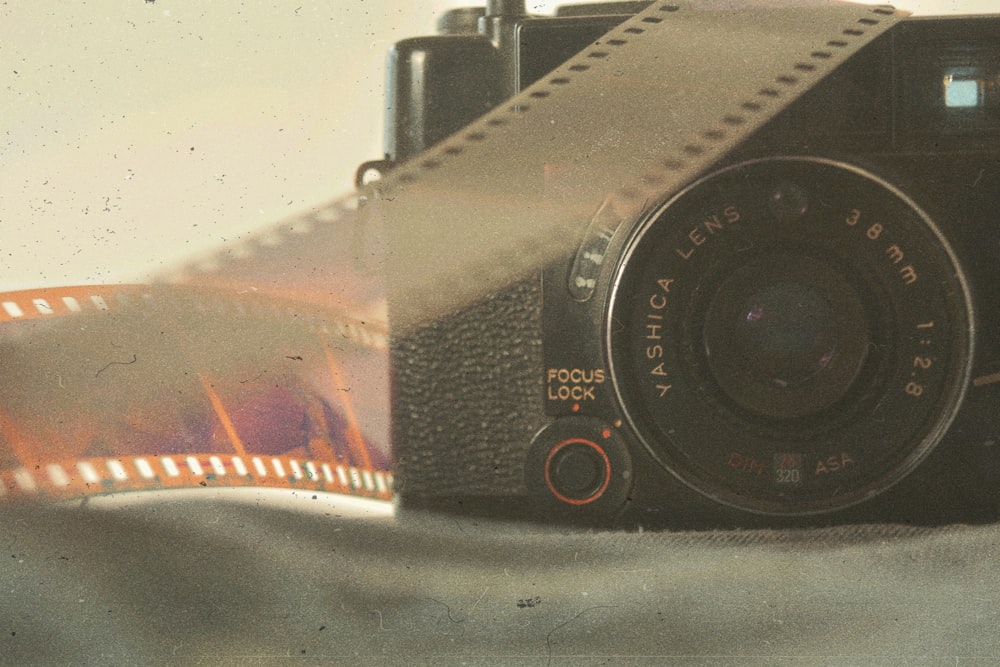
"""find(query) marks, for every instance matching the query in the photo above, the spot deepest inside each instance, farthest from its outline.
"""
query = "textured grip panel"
(466, 398)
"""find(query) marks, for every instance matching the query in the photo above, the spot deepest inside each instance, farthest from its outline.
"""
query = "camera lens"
(785, 336)
(789, 335)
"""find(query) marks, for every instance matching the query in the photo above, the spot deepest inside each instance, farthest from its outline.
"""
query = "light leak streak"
(355, 440)
(227, 423)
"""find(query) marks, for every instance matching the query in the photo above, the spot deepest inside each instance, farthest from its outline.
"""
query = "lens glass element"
(786, 336)
(788, 332)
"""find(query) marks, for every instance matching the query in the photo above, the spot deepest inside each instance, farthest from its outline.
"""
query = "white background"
(135, 134)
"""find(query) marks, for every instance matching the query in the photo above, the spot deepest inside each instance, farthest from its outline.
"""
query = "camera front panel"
(860, 398)
(815, 413)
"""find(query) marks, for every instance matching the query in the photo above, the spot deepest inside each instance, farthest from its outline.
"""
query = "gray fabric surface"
(217, 579)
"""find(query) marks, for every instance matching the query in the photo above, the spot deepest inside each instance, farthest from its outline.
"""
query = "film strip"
(136, 387)
(323, 257)
(267, 363)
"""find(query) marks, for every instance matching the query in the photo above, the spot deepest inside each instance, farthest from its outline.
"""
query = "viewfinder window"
(962, 89)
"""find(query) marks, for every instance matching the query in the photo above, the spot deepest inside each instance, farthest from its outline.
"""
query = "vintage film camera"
(807, 335)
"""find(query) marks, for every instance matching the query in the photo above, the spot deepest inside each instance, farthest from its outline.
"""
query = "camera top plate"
(635, 117)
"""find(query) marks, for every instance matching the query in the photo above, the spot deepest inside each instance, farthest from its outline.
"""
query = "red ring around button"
(607, 471)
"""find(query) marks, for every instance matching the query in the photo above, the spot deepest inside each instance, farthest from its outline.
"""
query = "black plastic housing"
(438, 84)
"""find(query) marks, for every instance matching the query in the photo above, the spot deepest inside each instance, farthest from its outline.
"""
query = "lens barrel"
(789, 335)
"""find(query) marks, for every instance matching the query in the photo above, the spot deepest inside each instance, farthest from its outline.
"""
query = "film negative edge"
(103, 475)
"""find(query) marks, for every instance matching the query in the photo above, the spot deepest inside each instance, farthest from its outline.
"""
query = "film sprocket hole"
(806, 334)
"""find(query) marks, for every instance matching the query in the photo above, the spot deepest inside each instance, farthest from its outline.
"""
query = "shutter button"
(577, 471)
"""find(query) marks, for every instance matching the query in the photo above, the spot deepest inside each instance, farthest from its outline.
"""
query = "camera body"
(809, 335)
